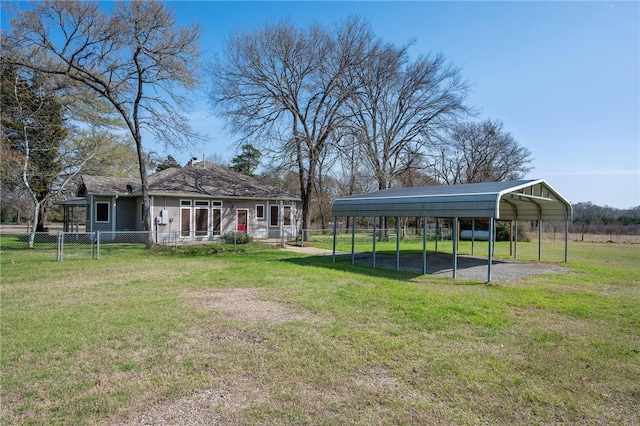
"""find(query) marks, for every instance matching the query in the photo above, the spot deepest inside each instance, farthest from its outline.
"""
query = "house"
(199, 202)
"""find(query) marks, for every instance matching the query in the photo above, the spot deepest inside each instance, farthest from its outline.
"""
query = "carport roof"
(522, 200)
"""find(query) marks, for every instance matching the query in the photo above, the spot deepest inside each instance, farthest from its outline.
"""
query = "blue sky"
(564, 77)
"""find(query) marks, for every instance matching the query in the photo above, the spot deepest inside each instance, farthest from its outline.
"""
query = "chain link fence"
(365, 235)
(85, 245)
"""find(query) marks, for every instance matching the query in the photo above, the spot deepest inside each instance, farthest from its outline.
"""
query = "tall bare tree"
(135, 57)
(479, 152)
(400, 105)
(290, 86)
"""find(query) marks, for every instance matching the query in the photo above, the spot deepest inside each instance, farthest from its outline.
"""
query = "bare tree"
(135, 58)
(290, 86)
(322, 189)
(400, 104)
(479, 152)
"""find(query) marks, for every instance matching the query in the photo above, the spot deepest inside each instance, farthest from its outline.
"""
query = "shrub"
(236, 237)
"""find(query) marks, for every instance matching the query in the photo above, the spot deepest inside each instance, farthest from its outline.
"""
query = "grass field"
(265, 336)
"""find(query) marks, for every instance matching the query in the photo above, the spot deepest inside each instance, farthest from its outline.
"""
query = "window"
(260, 211)
(200, 218)
(217, 216)
(102, 211)
(273, 215)
(202, 222)
(185, 222)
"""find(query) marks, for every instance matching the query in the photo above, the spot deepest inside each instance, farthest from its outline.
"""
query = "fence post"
(98, 245)
(59, 250)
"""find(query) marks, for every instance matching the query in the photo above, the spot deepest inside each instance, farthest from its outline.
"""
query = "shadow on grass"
(439, 265)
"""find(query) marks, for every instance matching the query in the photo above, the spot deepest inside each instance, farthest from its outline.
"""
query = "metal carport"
(516, 200)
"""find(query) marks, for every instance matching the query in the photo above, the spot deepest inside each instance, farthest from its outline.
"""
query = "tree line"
(330, 110)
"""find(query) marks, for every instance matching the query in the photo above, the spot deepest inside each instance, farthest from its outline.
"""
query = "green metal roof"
(522, 200)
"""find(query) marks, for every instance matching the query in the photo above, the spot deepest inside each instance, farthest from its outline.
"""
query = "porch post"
(280, 222)
(113, 215)
(90, 214)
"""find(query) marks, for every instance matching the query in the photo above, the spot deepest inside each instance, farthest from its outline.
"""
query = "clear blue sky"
(564, 77)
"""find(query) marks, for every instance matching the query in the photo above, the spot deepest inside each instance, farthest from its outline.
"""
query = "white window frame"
(190, 232)
(201, 233)
(264, 211)
(213, 220)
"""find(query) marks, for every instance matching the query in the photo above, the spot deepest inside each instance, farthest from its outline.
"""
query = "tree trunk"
(306, 222)
(146, 208)
(36, 215)
(41, 216)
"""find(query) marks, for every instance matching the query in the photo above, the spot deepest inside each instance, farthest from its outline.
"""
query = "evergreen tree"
(33, 127)
(168, 163)
(247, 161)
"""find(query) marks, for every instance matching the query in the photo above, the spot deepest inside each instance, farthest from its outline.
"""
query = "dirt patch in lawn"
(245, 304)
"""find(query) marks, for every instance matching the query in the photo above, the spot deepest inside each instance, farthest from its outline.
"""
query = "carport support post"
(335, 230)
(397, 243)
(490, 249)
(424, 245)
(473, 235)
(353, 240)
(454, 239)
(437, 229)
(566, 240)
(515, 245)
(539, 240)
(373, 255)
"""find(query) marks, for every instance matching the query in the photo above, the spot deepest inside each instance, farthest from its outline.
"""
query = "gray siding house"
(199, 202)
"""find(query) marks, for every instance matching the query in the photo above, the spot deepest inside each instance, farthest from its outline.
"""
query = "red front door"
(242, 220)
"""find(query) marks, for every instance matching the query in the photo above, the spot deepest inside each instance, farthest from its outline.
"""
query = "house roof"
(107, 185)
(202, 179)
(521, 200)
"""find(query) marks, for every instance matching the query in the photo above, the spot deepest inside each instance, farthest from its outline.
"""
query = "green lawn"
(262, 336)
